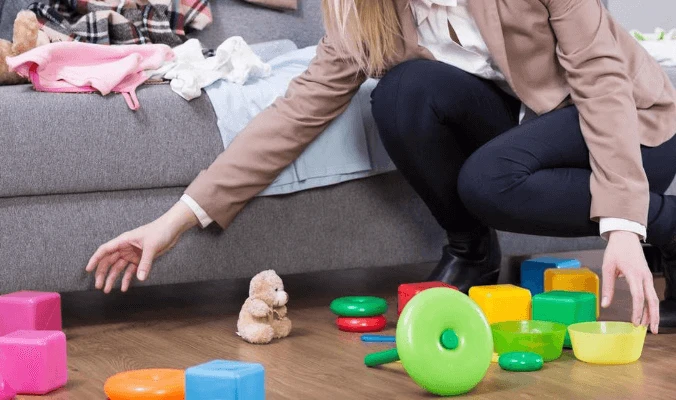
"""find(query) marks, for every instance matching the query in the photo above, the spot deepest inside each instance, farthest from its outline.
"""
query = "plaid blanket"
(122, 22)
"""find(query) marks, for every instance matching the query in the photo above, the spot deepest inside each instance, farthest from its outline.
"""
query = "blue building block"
(533, 271)
(225, 380)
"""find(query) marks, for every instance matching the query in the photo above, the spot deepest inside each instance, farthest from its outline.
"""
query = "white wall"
(644, 15)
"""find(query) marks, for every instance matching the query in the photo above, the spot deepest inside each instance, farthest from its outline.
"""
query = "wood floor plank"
(181, 326)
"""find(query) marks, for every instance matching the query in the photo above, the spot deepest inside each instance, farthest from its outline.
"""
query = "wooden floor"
(181, 326)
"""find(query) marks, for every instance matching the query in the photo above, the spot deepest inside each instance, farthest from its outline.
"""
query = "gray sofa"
(77, 170)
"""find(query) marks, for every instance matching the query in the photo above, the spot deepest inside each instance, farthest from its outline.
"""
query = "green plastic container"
(565, 307)
(540, 337)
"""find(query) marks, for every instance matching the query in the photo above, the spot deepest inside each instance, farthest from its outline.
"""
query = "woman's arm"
(277, 136)
(603, 92)
(271, 142)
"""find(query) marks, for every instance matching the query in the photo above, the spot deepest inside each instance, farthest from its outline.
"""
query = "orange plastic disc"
(147, 384)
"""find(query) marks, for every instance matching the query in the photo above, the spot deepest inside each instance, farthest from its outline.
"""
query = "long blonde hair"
(364, 30)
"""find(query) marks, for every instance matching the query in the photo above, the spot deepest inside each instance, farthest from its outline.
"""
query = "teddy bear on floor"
(263, 315)
(27, 36)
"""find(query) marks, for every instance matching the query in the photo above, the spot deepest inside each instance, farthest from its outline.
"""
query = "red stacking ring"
(364, 324)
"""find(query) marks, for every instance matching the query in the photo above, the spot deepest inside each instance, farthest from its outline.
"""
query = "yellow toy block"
(502, 302)
(573, 280)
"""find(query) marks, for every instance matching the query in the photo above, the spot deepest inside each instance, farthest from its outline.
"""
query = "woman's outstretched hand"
(133, 252)
(624, 257)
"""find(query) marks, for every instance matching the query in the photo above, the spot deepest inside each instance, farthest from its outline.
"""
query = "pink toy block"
(6, 392)
(34, 362)
(27, 310)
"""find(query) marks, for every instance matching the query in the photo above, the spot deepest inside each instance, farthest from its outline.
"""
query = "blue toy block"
(225, 380)
(533, 271)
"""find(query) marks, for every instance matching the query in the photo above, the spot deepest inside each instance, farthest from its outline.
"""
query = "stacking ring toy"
(444, 342)
(359, 306)
(368, 324)
(146, 384)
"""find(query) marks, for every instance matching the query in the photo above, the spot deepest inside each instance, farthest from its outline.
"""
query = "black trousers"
(457, 141)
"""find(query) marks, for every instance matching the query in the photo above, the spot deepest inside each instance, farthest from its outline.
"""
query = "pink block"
(34, 362)
(30, 311)
(6, 392)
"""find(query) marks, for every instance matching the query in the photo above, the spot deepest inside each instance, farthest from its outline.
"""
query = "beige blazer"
(552, 53)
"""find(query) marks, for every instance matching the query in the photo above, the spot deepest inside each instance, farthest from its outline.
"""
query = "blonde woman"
(541, 117)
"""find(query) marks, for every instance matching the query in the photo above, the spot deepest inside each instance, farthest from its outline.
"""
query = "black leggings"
(457, 141)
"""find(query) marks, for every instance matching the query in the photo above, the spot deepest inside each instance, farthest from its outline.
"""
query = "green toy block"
(564, 307)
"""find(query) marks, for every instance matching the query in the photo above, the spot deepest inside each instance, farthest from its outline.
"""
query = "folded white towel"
(190, 72)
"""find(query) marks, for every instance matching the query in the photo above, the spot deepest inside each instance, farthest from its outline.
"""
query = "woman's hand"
(624, 257)
(133, 252)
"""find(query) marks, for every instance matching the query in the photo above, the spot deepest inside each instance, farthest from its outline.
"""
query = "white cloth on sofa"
(663, 51)
(661, 45)
(190, 72)
(348, 149)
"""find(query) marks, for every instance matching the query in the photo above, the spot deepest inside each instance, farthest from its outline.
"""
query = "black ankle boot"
(668, 306)
(470, 262)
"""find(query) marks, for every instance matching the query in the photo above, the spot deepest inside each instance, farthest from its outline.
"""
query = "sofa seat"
(75, 143)
(78, 143)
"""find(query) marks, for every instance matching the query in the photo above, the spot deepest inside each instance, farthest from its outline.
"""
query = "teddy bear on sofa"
(27, 36)
(264, 315)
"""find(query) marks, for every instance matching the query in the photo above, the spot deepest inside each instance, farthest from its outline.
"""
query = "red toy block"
(28, 310)
(408, 290)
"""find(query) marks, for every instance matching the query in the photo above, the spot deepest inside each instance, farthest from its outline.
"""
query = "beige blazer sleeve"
(277, 136)
(603, 93)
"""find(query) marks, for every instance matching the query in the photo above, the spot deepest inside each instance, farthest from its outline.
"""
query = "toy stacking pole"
(378, 339)
(381, 357)
(449, 341)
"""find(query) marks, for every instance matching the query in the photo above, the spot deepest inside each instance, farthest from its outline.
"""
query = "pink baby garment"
(75, 67)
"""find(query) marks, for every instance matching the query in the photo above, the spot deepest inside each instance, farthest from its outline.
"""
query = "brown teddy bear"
(27, 36)
(263, 315)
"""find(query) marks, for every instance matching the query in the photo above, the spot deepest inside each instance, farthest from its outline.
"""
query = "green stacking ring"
(444, 341)
(359, 306)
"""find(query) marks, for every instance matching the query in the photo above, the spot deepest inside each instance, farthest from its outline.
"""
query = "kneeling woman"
(541, 117)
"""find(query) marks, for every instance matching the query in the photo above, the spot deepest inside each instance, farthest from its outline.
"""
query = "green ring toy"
(359, 306)
(444, 342)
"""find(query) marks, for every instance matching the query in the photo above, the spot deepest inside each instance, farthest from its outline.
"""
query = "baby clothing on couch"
(234, 61)
(75, 67)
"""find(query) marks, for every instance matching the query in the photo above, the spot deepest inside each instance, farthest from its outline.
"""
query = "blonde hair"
(364, 30)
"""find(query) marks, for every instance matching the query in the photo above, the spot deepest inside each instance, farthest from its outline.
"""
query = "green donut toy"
(444, 342)
(359, 306)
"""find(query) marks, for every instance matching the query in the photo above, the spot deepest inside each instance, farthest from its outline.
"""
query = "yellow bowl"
(607, 343)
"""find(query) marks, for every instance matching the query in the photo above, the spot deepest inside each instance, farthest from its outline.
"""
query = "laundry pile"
(76, 67)
(190, 71)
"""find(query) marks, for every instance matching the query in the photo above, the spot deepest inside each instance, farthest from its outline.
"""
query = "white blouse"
(472, 54)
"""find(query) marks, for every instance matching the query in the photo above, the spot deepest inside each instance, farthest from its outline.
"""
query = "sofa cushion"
(86, 142)
(74, 143)
(257, 24)
(71, 143)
